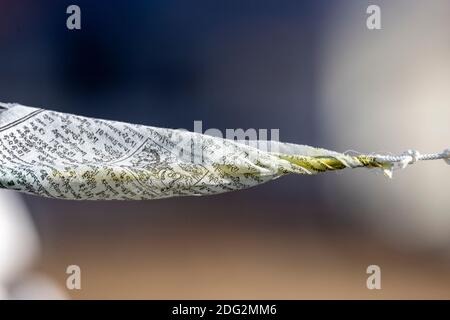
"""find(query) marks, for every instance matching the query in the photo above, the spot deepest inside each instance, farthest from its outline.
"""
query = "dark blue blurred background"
(231, 64)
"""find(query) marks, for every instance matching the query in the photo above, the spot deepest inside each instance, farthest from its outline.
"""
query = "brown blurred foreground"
(217, 255)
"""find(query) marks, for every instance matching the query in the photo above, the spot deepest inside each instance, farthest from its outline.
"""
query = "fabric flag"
(59, 155)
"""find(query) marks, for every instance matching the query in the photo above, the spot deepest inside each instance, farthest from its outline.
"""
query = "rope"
(412, 156)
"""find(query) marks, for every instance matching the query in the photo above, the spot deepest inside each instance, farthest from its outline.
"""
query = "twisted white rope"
(412, 156)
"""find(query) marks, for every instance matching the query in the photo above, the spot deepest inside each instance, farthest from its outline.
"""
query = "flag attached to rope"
(65, 156)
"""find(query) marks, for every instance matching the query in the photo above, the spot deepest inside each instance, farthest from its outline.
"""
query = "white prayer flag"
(65, 156)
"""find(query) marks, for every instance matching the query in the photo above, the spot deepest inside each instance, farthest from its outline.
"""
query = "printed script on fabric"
(65, 156)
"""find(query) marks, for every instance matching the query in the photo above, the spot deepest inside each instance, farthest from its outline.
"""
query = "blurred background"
(311, 69)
